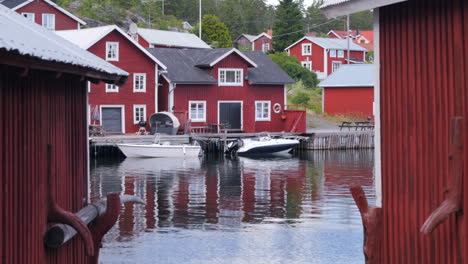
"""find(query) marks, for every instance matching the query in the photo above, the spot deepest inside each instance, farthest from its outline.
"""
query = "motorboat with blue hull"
(263, 144)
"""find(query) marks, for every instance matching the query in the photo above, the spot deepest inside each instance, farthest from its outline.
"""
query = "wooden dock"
(338, 140)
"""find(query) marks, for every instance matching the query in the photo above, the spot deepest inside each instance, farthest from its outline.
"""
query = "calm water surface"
(290, 209)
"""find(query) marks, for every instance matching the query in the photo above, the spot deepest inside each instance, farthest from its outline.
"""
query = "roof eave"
(354, 6)
(273, 83)
(345, 85)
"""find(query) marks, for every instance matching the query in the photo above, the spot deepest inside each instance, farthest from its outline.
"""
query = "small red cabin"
(43, 107)
(349, 91)
(325, 55)
(262, 42)
(45, 13)
(120, 108)
(239, 91)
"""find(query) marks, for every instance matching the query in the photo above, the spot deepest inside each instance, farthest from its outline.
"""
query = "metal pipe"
(59, 234)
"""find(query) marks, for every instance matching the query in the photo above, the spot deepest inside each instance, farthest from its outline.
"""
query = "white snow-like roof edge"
(172, 38)
(54, 5)
(32, 40)
(336, 8)
(351, 75)
(233, 50)
(260, 35)
(102, 33)
(322, 43)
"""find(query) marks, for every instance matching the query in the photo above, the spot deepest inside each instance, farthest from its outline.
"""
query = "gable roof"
(172, 39)
(16, 4)
(331, 43)
(30, 40)
(351, 75)
(335, 8)
(209, 59)
(184, 66)
(85, 38)
(260, 35)
(247, 36)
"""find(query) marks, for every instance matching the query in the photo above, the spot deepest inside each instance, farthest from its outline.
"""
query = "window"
(307, 65)
(262, 110)
(139, 113)
(139, 82)
(29, 16)
(341, 54)
(230, 77)
(306, 49)
(266, 47)
(48, 21)
(197, 111)
(335, 65)
(112, 51)
(112, 88)
(332, 53)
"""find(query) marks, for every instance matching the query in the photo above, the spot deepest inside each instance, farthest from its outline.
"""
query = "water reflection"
(290, 195)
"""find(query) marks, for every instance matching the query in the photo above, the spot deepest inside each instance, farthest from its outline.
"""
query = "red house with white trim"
(349, 91)
(120, 108)
(325, 55)
(45, 13)
(262, 42)
(241, 91)
(364, 38)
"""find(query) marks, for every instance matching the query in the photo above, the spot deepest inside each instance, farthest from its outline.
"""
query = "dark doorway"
(230, 115)
(112, 119)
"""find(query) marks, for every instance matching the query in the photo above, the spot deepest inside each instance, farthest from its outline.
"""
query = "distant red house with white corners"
(262, 42)
(120, 108)
(325, 55)
(238, 91)
(45, 13)
(349, 91)
(364, 38)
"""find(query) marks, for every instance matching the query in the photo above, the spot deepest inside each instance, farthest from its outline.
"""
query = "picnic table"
(363, 125)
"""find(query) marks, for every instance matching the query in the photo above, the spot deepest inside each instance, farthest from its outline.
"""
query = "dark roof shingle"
(12, 3)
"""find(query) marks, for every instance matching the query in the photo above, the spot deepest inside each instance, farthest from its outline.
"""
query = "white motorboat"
(264, 144)
(157, 150)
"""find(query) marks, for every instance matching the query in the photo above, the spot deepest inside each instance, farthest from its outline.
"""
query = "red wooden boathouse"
(43, 102)
(421, 54)
(45, 13)
(121, 108)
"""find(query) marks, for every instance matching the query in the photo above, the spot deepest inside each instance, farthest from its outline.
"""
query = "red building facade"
(262, 42)
(46, 13)
(323, 56)
(120, 108)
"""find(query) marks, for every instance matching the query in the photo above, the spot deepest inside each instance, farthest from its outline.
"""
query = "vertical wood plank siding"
(423, 67)
(37, 110)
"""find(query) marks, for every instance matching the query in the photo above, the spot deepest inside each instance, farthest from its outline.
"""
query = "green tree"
(214, 32)
(293, 68)
(288, 26)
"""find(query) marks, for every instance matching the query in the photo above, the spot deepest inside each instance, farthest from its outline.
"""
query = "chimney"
(269, 31)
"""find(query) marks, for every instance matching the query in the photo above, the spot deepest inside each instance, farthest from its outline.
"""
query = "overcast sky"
(275, 2)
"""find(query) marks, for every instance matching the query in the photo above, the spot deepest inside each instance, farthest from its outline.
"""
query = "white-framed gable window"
(48, 21)
(266, 47)
(197, 111)
(332, 53)
(112, 88)
(341, 54)
(307, 49)
(307, 65)
(139, 82)
(262, 110)
(29, 16)
(230, 77)
(139, 113)
(112, 51)
(335, 65)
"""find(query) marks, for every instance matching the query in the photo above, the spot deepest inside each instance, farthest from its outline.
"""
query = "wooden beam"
(354, 6)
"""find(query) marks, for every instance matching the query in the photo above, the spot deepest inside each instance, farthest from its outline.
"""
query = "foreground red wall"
(35, 111)
(354, 101)
(39, 7)
(424, 64)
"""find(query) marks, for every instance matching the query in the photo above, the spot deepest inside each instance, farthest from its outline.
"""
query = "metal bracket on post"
(372, 222)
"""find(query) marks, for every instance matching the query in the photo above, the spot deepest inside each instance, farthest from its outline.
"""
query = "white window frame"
(29, 16)
(333, 53)
(110, 44)
(50, 26)
(309, 47)
(190, 111)
(333, 65)
(340, 53)
(135, 88)
(222, 72)
(307, 65)
(262, 118)
(265, 47)
(109, 88)
(135, 107)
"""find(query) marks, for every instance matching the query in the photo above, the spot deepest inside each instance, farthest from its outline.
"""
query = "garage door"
(112, 119)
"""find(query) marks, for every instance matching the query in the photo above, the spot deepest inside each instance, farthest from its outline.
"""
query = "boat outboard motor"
(233, 147)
